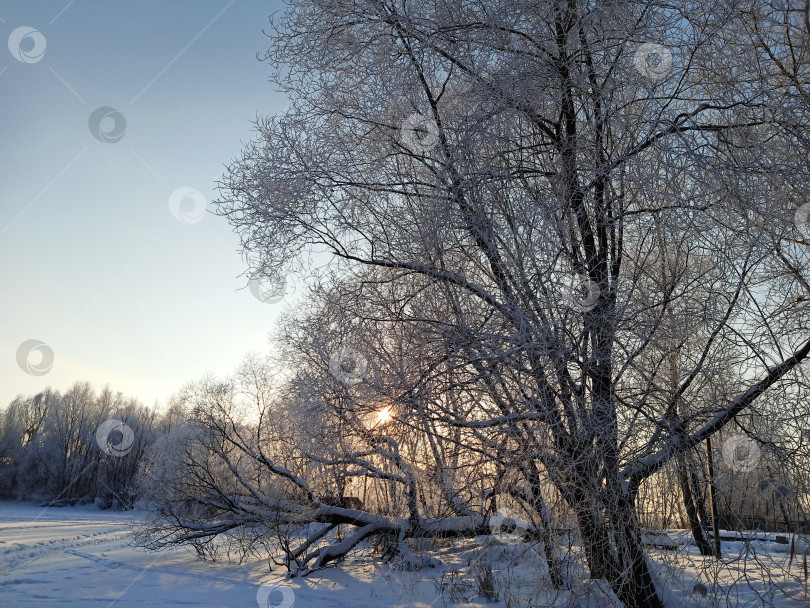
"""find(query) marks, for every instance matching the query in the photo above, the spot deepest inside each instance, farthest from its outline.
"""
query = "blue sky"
(92, 260)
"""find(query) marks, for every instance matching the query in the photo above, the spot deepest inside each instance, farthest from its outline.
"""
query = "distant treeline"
(77, 446)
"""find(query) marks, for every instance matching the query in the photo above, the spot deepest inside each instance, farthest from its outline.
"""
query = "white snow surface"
(81, 557)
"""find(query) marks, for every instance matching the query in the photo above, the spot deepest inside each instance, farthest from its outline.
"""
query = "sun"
(384, 415)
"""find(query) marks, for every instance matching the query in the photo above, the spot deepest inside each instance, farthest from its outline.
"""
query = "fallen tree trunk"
(314, 551)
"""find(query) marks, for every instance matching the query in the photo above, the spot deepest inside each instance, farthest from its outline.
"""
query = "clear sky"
(92, 260)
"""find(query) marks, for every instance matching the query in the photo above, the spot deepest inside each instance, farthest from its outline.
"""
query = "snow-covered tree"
(50, 450)
(572, 215)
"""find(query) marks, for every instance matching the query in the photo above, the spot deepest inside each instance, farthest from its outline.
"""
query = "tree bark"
(695, 522)
(712, 498)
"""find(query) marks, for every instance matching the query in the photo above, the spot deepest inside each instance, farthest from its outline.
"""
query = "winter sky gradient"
(92, 260)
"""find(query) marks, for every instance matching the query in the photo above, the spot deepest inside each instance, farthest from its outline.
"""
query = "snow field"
(80, 557)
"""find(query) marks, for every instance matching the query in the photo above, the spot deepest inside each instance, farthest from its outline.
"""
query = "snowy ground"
(79, 557)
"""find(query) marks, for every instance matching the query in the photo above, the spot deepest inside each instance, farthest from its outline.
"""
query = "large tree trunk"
(613, 549)
(636, 588)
